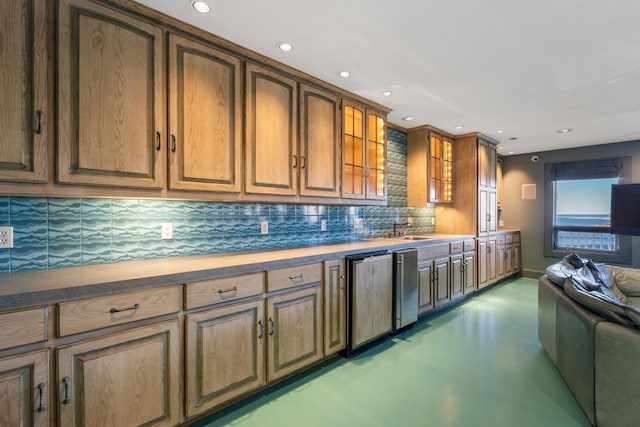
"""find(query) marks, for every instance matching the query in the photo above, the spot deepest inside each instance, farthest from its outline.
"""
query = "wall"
(528, 215)
(65, 232)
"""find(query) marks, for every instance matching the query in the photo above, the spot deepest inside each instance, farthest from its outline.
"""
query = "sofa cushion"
(603, 301)
(627, 280)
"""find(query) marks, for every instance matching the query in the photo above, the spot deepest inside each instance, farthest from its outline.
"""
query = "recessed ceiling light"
(459, 127)
(344, 73)
(500, 131)
(510, 152)
(565, 130)
(408, 118)
(387, 93)
(285, 47)
(501, 147)
(201, 6)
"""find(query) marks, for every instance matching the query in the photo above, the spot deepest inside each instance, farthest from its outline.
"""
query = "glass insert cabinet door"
(364, 154)
(441, 165)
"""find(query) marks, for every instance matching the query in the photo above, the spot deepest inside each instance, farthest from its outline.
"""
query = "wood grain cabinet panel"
(205, 117)
(111, 101)
(23, 90)
(294, 337)
(271, 157)
(127, 379)
(23, 327)
(110, 310)
(215, 291)
(335, 300)
(24, 390)
(224, 354)
(319, 143)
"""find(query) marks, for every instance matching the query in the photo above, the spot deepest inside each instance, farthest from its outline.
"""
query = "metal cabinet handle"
(119, 310)
(489, 217)
(298, 277)
(222, 291)
(295, 161)
(66, 399)
(261, 334)
(271, 326)
(39, 114)
(173, 143)
(41, 387)
(304, 162)
(158, 146)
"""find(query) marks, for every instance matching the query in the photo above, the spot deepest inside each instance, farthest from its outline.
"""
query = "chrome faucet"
(401, 224)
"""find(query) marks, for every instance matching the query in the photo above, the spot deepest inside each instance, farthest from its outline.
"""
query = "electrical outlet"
(358, 223)
(167, 231)
(264, 227)
(323, 225)
(6, 237)
(410, 222)
(433, 220)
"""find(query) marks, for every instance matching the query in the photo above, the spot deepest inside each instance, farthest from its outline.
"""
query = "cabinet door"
(515, 259)
(441, 281)
(205, 118)
(271, 129)
(24, 390)
(483, 263)
(508, 263)
(353, 175)
(320, 158)
(501, 265)
(425, 277)
(376, 157)
(224, 354)
(372, 296)
(110, 97)
(457, 276)
(295, 331)
(335, 299)
(126, 379)
(492, 259)
(23, 90)
(469, 267)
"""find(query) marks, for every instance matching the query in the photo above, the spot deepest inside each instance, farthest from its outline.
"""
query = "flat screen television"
(625, 209)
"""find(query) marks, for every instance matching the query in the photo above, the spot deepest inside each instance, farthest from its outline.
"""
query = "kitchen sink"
(415, 238)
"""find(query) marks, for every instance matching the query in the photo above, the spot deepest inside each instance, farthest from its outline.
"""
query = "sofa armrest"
(548, 294)
(617, 378)
(626, 279)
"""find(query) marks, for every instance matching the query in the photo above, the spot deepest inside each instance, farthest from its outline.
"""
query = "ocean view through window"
(578, 209)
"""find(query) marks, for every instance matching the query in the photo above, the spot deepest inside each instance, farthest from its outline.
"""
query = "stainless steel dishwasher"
(405, 289)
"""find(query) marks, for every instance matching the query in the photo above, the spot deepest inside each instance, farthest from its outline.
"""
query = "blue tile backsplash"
(64, 232)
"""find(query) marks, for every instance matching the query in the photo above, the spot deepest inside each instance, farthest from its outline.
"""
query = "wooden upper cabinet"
(205, 118)
(364, 157)
(271, 158)
(319, 143)
(23, 90)
(111, 97)
(429, 167)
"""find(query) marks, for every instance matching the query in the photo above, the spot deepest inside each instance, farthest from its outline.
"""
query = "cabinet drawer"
(509, 238)
(95, 313)
(433, 251)
(516, 238)
(214, 291)
(501, 239)
(289, 277)
(23, 327)
(455, 247)
(469, 245)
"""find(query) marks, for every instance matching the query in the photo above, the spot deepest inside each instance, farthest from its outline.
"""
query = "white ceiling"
(528, 68)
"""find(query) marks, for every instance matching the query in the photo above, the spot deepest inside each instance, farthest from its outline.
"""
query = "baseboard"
(532, 274)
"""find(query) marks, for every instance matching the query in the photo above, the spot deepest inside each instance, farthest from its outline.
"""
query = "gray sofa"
(597, 354)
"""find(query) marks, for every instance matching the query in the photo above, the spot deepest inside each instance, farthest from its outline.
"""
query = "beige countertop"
(42, 287)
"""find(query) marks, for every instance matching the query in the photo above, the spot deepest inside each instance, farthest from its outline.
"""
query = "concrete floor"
(476, 364)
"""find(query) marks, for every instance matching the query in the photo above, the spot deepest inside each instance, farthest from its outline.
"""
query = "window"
(577, 209)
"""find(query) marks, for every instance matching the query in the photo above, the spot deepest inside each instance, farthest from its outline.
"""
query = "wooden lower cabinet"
(469, 272)
(457, 276)
(294, 324)
(129, 378)
(24, 390)
(224, 354)
(425, 296)
(335, 302)
(441, 281)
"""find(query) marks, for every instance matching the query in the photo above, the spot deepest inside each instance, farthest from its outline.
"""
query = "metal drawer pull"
(221, 291)
(39, 114)
(271, 326)
(298, 277)
(173, 143)
(119, 310)
(41, 394)
(261, 334)
(66, 399)
(158, 145)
